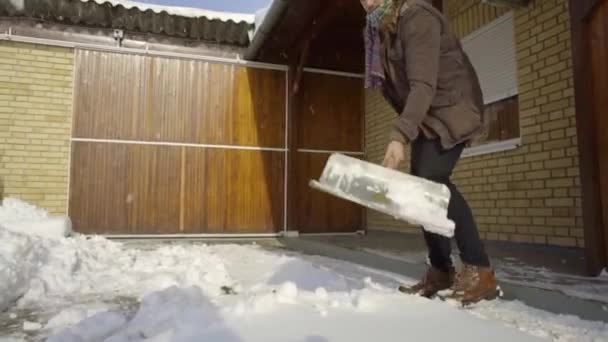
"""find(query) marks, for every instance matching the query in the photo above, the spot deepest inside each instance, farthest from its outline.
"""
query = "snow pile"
(91, 289)
(43, 272)
(25, 233)
(187, 314)
(82, 267)
(19, 261)
(97, 328)
(21, 217)
(245, 293)
(73, 315)
(272, 297)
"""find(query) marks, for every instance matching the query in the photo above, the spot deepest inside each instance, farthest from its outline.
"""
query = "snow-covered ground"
(93, 289)
(517, 272)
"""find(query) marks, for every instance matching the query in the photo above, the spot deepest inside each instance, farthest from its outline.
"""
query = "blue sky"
(239, 6)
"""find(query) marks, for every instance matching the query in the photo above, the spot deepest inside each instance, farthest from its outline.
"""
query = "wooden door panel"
(124, 189)
(318, 212)
(589, 19)
(139, 189)
(104, 106)
(330, 113)
(99, 189)
(233, 191)
(598, 53)
(154, 189)
(146, 98)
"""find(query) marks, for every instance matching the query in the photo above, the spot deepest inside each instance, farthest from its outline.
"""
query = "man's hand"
(394, 155)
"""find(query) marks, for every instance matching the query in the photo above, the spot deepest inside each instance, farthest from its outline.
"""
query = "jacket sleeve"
(420, 37)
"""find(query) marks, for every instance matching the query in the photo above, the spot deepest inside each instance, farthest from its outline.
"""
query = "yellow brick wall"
(467, 16)
(531, 194)
(35, 123)
(379, 117)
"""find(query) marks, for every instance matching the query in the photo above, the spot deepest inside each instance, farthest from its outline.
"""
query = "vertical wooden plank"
(598, 51)
(216, 116)
(259, 100)
(602, 110)
(329, 113)
(467, 22)
(255, 191)
(154, 188)
(477, 16)
(329, 116)
(461, 28)
(167, 103)
(595, 255)
(182, 191)
(233, 191)
(200, 192)
(103, 106)
(292, 148)
(100, 201)
(485, 13)
(205, 192)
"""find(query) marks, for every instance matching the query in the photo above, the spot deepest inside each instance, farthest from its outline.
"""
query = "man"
(423, 72)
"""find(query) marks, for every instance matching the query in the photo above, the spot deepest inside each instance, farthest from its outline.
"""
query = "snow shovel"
(405, 197)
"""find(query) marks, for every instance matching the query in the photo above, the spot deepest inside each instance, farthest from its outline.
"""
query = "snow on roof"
(181, 11)
(183, 22)
(259, 17)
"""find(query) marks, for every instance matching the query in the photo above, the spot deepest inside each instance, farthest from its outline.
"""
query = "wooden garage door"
(330, 116)
(589, 24)
(598, 53)
(176, 146)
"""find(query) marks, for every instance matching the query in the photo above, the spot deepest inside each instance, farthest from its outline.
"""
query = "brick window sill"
(494, 147)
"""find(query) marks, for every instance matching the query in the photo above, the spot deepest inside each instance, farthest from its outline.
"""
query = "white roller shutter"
(492, 52)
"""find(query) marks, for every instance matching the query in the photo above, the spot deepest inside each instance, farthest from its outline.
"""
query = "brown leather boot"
(474, 284)
(433, 281)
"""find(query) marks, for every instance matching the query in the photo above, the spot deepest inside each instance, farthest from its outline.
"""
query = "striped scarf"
(374, 72)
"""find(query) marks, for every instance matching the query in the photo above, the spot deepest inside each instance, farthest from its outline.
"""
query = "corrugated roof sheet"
(181, 11)
(180, 22)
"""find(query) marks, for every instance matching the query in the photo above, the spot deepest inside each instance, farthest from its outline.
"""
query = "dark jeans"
(431, 161)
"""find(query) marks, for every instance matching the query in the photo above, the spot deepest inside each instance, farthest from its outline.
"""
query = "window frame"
(510, 143)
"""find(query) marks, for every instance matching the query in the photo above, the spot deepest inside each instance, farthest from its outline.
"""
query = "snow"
(259, 17)
(517, 272)
(18, 263)
(412, 199)
(30, 326)
(73, 315)
(181, 11)
(18, 216)
(92, 289)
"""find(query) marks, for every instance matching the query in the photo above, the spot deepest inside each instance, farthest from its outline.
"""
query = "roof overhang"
(332, 31)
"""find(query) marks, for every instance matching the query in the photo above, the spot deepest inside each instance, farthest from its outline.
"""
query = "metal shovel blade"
(405, 197)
